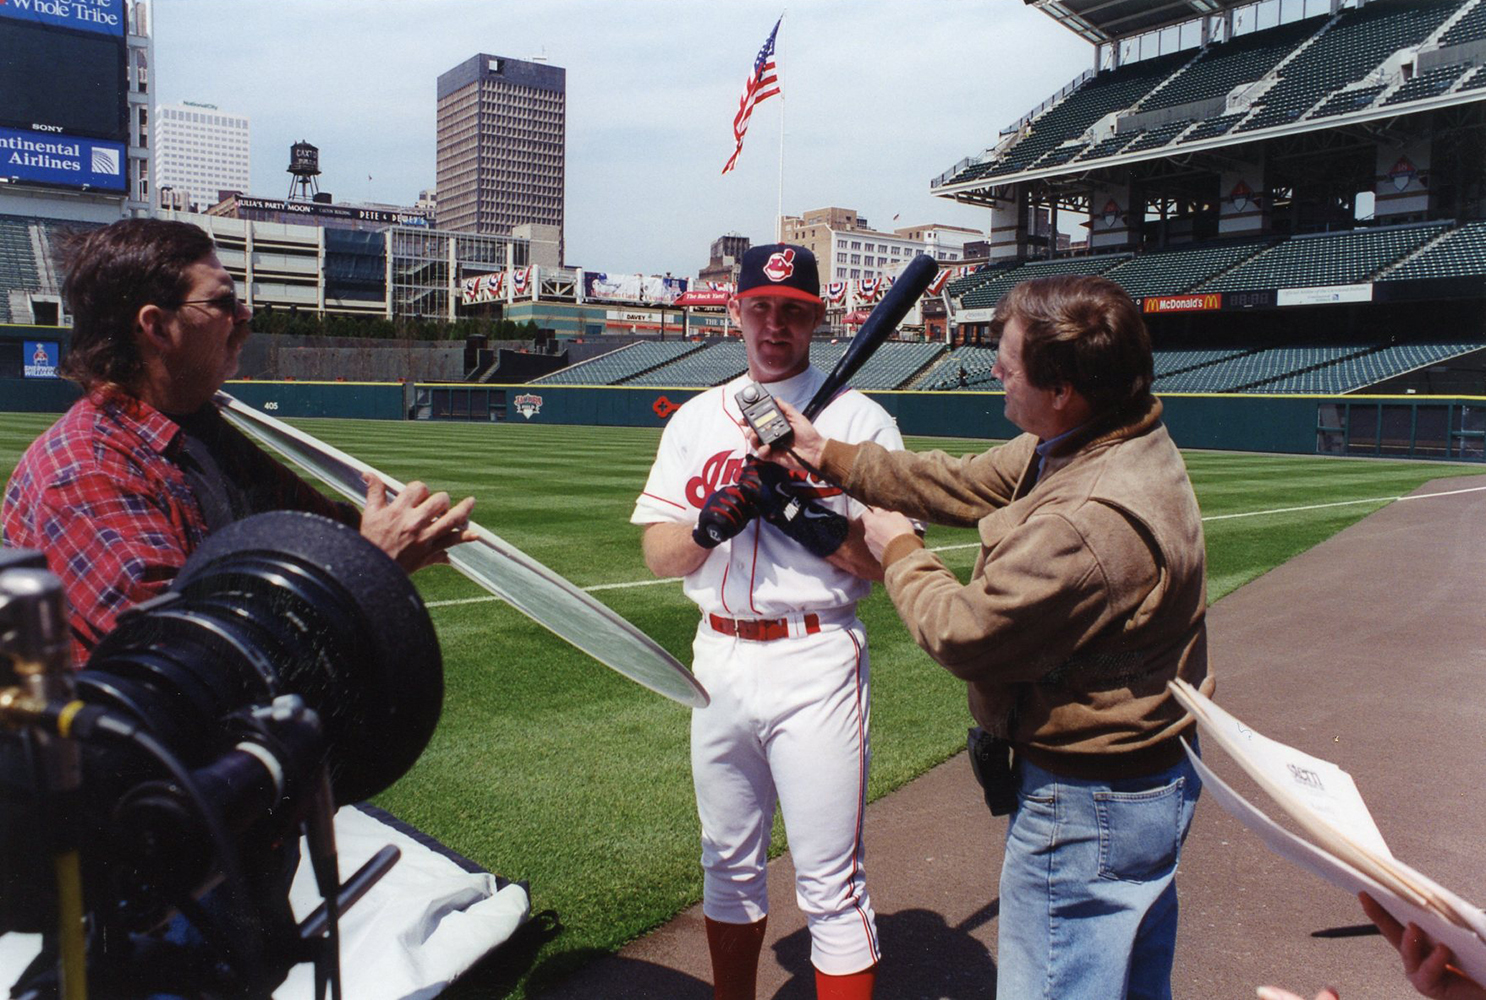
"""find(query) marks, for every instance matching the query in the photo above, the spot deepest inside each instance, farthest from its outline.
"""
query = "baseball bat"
(879, 326)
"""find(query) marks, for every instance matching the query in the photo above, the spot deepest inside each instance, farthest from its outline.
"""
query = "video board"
(64, 115)
(56, 80)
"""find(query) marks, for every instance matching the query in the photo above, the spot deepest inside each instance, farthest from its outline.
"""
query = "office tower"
(502, 126)
(200, 150)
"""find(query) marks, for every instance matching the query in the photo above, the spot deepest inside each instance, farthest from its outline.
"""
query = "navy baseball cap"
(779, 269)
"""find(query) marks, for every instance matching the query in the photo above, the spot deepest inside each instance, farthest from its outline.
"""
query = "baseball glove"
(725, 513)
(818, 528)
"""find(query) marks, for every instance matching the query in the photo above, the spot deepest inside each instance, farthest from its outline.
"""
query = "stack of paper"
(1348, 851)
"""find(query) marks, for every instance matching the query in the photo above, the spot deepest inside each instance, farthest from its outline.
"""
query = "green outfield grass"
(550, 768)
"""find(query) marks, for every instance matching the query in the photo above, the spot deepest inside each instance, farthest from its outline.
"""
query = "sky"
(880, 97)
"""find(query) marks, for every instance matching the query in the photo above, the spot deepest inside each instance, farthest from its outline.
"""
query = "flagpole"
(779, 216)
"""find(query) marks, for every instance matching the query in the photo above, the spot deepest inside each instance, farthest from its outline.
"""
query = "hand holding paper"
(1349, 851)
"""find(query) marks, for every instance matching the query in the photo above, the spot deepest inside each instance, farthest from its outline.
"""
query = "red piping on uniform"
(722, 399)
(753, 570)
(722, 589)
(663, 500)
(856, 851)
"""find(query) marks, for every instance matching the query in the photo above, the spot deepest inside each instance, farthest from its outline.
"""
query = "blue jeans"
(1088, 885)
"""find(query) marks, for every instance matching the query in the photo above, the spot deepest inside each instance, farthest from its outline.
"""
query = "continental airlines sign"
(1183, 303)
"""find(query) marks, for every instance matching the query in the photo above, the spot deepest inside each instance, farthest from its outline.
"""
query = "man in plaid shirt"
(125, 486)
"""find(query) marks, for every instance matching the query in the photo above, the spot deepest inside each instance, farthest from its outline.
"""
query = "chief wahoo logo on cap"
(780, 266)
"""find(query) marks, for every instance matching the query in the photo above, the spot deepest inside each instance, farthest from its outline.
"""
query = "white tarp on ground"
(426, 922)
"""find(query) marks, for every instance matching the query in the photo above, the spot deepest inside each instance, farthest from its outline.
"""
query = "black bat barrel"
(879, 326)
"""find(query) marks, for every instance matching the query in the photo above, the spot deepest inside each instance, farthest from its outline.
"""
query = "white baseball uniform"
(784, 657)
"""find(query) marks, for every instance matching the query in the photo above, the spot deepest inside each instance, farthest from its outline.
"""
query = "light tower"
(304, 167)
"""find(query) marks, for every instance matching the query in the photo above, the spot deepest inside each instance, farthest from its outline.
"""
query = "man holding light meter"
(776, 564)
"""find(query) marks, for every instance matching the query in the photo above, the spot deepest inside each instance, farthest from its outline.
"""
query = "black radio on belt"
(763, 415)
(991, 760)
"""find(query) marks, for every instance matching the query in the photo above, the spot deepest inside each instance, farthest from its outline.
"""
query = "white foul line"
(1344, 503)
(976, 545)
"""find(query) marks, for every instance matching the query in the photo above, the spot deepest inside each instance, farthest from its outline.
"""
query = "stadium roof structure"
(1386, 71)
(1101, 21)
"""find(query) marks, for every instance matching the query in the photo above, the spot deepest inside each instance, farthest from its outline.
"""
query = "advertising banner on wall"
(703, 297)
(975, 315)
(106, 17)
(482, 288)
(329, 210)
(1323, 295)
(633, 288)
(63, 159)
(40, 359)
(1182, 303)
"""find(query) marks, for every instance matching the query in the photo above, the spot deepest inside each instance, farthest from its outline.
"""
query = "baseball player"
(776, 566)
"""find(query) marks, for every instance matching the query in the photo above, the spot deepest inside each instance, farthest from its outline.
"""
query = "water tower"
(304, 167)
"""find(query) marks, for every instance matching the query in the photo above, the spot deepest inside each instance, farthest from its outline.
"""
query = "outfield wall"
(367, 400)
(1395, 426)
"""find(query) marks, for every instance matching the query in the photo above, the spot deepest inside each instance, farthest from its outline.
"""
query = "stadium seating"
(1352, 46)
(18, 269)
(1476, 79)
(1105, 92)
(1469, 28)
(1061, 155)
(945, 373)
(1345, 101)
(1213, 127)
(894, 364)
(1325, 259)
(1168, 363)
(713, 365)
(1349, 374)
(959, 286)
(1225, 65)
(1109, 146)
(988, 293)
(1252, 368)
(1427, 84)
(1172, 271)
(1159, 136)
(618, 365)
(1461, 253)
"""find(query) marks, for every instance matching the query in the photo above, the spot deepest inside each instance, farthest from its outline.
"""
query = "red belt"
(760, 629)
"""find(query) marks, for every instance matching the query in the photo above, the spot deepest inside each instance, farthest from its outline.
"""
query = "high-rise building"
(200, 152)
(725, 261)
(848, 248)
(502, 129)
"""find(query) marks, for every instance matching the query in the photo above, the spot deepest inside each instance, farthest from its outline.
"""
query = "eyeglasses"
(227, 302)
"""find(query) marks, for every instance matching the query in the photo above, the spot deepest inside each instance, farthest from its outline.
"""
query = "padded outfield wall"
(366, 400)
(1397, 426)
(1432, 427)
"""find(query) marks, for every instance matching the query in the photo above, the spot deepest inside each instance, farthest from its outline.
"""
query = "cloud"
(881, 96)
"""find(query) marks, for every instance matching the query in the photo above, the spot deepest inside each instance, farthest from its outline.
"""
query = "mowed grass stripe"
(550, 768)
(1374, 501)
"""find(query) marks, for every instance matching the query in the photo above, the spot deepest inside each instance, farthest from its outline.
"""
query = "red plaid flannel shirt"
(101, 495)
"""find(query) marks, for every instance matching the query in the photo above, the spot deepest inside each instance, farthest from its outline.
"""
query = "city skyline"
(879, 97)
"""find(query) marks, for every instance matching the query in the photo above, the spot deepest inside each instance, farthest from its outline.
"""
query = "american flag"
(763, 83)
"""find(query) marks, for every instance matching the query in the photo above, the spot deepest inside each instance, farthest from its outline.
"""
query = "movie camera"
(151, 805)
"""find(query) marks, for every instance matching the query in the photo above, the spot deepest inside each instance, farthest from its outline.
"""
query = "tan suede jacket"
(1089, 593)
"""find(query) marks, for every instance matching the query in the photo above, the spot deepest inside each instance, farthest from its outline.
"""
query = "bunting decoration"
(481, 288)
